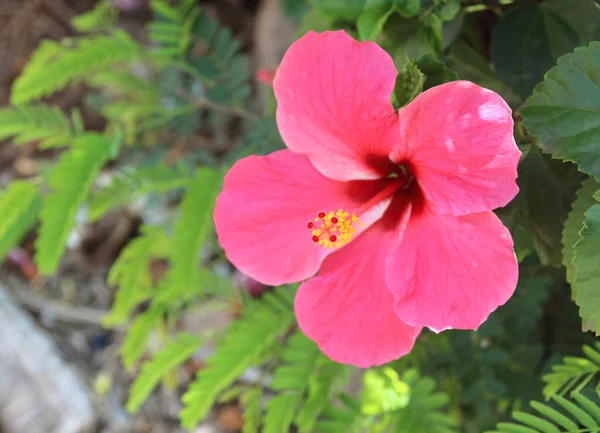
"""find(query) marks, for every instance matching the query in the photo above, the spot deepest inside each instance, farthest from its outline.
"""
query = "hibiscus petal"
(333, 96)
(348, 309)
(262, 213)
(459, 140)
(452, 272)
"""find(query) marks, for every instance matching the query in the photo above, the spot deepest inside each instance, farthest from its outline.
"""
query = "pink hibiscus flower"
(393, 209)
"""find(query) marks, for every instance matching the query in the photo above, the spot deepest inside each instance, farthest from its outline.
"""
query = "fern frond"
(578, 414)
(423, 413)
(573, 371)
(192, 228)
(220, 61)
(70, 182)
(35, 123)
(123, 83)
(171, 30)
(175, 352)
(131, 272)
(135, 182)
(280, 412)
(19, 206)
(251, 401)
(135, 342)
(102, 17)
(54, 65)
(245, 343)
(340, 418)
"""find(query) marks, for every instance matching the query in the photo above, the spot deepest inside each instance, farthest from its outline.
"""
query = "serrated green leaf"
(54, 65)
(435, 70)
(175, 352)
(244, 344)
(19, 206)
(70, 182)
(564, 111)
(586, 260)
(409, 83)
(574, 224)
(521, 61)
(35, 123)
(408, 8)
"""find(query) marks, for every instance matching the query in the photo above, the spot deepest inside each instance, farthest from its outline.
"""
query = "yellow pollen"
(333, 229)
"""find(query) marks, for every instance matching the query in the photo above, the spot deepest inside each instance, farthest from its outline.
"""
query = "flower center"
(333, 229)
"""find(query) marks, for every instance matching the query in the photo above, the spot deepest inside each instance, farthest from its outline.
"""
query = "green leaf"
(19, 206)
(371, 21)
(131, 273)
(571, 372)
(348, 10)
(574, 224)
(526, 43)
(564, 111)
(175, 352)
(409, 83)
(194, 223)
(102, 17)
(245, 343)
(35, 123)
(435, 70)
(54, 65)
(582, 15)
(586, 260)
(320, 390)
(131, 183)
(448, 10)
(251, 401)
(136, 340)
(280, 412)
(408, 8)
(383, 392)
(70, 182)
(543, 203)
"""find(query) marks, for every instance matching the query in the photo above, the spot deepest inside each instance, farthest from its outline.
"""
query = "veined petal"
(452, 272)
(333, 96)
(348, 309)
(459, 140)
(262, 213)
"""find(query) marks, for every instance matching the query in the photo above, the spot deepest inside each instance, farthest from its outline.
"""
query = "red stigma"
(321, 214)
(332, 238)
(334, 220)
(310, 225)
(315, 239)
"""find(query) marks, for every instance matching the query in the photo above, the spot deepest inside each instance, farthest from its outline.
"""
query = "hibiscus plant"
(407, 225)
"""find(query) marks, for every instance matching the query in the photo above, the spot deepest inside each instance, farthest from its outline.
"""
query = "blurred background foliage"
(162, 117)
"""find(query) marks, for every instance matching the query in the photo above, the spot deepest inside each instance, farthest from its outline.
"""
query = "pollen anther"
(333, 229)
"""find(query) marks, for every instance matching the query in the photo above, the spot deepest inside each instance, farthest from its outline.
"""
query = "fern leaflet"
(132, 183)
(131, 272)
(220, 61)
(19, 206)
(251, 400)
(422, 414)
(344, 418)
(70, 181)
(192, 227)
(280, 412)
(54, 65)
(244, 344)
(136, 340)
(573, 371)
(172, 30)
(35, 123)
(175, 352)
(102, 17)
(578, 414)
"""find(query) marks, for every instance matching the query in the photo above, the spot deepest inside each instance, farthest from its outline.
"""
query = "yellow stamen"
(333, 229)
